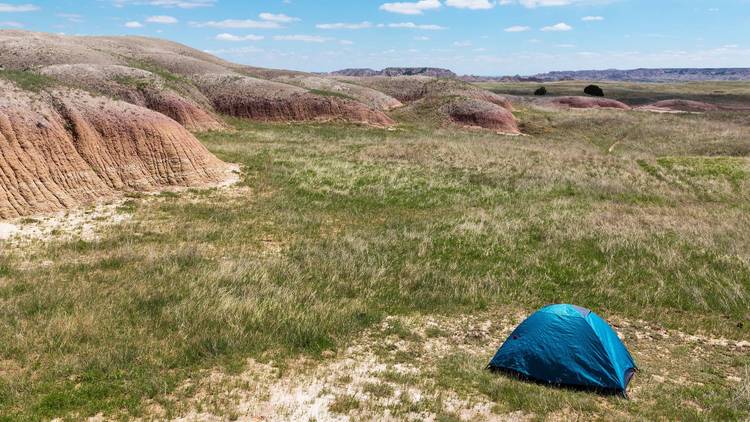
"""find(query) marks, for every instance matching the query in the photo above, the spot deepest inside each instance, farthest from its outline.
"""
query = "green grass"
(138, 83)
(721, 93)
(157, 70)
(176, 82)
(325, 93)
(28, 81)
(344, 404)
(335, 227)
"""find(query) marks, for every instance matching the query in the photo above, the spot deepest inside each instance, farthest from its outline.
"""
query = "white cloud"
(17, 8)
(71, 17)
(237, 38)
(554, 3)
(412, 25)
(341, 25)
(366, 25)
(346, 42)
(281, 18)
(180, 4)
(302, 38)
(462, 44)
(240, 51)
(517, 28)
(471, 4)
(411, 8)
(559, 27)
(133, 24)
(11, 24)
(162, 19)
(421, 38)
(592, 18)
(237, 24)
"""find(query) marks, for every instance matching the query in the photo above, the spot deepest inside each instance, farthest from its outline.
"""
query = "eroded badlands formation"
(86, 118)
(63, 148)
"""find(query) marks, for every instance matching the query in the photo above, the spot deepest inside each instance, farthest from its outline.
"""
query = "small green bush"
(594, 91)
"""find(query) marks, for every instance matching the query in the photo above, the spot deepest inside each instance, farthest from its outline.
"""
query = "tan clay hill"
(177, 80)
(193, 87)
(685, 106)
(453, 100)
(585, 102)
(63, 147)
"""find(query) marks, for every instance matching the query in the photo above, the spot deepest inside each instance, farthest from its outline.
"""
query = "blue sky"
(485, 37)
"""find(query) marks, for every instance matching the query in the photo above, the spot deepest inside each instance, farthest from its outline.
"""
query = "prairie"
(372, 272)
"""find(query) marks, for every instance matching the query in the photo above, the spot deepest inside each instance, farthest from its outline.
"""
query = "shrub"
(594, 91)
(541, 91)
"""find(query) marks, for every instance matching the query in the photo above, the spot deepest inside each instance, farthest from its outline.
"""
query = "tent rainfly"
(567, 345)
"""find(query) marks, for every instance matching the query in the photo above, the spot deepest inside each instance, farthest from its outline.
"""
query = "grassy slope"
(635, 215)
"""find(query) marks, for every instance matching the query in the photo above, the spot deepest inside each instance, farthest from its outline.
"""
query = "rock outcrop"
(413, 88)
(367, 96)
(179, 100)
(433, 72)
(686, 106)
(479, 113)
(259, 99)
(63, 147)
(585, 102)
(452, 100)
(172, 79)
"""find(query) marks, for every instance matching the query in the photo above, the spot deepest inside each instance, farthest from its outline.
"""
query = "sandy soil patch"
(363, 374)
(89, 222)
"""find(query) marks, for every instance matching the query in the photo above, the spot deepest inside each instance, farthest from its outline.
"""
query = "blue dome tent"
(567, 345)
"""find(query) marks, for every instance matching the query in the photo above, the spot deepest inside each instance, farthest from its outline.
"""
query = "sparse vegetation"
(325, 93)
(344, 404)
(636, 94)
(27, 80)
(138, 83)
(643, 217)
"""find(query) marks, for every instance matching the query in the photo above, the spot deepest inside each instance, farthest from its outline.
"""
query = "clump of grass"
(5, 269)
(434, 332)
(731, 169)
(380, 389)
(138, 83)
(344, 404)
(172, 80)
(156, 69)
(128, 206)
(742, 396)
(28, 80)
(325, 93)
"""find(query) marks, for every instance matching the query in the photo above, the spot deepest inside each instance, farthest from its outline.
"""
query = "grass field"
(636, 94)
(386, 266)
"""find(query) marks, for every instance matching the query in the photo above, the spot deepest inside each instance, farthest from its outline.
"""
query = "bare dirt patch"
(584, 102)
(686, 106)
(86, 223)
(396, 371)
